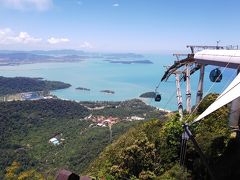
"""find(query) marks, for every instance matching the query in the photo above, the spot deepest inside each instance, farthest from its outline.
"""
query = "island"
(14, 85)
(148, 95)
(12, 58)
(83, 89)
(130, 62)
(122, 55)
(107, 91)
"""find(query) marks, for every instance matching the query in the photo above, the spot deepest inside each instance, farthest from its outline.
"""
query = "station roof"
(224, 58)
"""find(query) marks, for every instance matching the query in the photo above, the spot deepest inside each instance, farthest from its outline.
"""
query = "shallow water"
(126, 80)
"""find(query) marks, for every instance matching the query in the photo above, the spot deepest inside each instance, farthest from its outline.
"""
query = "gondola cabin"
(215, 75)
(158, 98)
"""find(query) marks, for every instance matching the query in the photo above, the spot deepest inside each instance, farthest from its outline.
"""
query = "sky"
(118, 25)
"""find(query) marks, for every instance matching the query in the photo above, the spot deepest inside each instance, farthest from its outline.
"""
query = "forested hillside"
(25, 84)
(148, 150)
(151, 150)
(26, 128)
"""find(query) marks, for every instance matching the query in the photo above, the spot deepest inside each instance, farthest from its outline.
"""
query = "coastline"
(160, 109)
(141, 79)
(79, 101)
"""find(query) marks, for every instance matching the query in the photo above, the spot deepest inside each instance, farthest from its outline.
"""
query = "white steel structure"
(224, 58)
(229, 59)
(231, 93)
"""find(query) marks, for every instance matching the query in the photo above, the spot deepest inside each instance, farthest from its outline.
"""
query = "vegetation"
(82, 88)
(124, 109)
(27, 57)
(148, 150)
(148, 95)
(130, 62)
(25, 84)
(27, 126)
(20, 116)
(151, 150)
(107, 91)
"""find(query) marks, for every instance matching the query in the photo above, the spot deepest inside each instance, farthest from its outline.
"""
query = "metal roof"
(224, 58)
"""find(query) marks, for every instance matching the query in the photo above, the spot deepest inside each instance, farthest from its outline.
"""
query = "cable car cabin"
(215, 75)
(158, 98)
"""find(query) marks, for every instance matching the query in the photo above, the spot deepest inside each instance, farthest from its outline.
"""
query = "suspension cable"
(183, 144)
(213, 84)
(211, 87)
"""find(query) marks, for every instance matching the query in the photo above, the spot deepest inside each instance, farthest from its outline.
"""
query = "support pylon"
(188, 89)
(179, 96)
(200, 85)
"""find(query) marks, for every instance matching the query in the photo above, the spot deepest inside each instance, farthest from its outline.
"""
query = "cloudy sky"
(118, 25)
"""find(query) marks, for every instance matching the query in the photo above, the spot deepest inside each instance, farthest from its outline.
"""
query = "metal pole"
(179, 96)
(200, 85)
(110, 132)
(198, 149)
(192, 50)
(183, 148)
(188, 89)
(234, 112)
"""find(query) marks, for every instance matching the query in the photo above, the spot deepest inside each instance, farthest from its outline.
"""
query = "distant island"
(11, 58)
(107, 91)
(130, 62)
(13, 85)
(83, 89)
(148, 95)
(122, 55)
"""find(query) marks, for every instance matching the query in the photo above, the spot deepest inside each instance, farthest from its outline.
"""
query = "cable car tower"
(197, 59)
(200, 56)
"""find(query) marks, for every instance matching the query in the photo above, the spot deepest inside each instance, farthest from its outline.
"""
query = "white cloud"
(7, 36)
(86, 45)
(54, 40)
(115, 5)
(25, 38)
(27, 4)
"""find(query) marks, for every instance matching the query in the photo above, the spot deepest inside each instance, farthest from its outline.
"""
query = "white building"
(136, 118)
(54, 141)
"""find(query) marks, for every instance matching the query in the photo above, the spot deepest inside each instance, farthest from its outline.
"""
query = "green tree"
(139, 157)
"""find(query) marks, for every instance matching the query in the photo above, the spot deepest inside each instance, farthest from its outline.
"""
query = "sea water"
(128, 81)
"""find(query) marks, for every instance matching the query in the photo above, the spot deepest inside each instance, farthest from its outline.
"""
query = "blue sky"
(118, 25)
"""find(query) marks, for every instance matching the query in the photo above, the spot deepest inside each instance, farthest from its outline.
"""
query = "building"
(67, 175)
(54, 141)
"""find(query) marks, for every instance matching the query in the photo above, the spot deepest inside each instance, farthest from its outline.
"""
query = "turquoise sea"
(127, 80)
